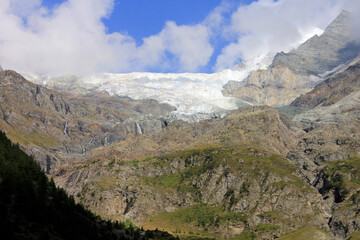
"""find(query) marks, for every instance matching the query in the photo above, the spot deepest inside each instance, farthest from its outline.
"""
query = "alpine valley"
(247, 153)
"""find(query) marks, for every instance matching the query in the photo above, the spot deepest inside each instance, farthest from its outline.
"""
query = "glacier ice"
(190, 93)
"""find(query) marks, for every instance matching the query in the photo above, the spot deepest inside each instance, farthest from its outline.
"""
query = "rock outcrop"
(276, 86)
(332, 89)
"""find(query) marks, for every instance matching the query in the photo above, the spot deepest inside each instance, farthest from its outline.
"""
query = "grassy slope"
(307, 233)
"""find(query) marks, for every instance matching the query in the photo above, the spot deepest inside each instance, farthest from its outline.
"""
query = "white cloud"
(72, 39)
(190, 45)
(266, 27)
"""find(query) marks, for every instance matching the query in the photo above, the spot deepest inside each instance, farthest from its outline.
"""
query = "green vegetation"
(245, 235)
(196, 222)
(291, 111)
(355, 236)
(136, 162)
(237, 161)
(32, 207)
(200, 221)
(350, 166)
(343, 177)
(266, 228)
(36, 138)
(234, 160)
(105, 182)
(171, 182)
(307, 233)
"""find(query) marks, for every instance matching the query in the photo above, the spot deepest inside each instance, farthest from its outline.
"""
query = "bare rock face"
(262, 126)
(56, 126)
(276, 86)
(328, 152)
(332, 89)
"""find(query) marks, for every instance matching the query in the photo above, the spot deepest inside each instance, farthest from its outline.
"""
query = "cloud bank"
(71, 37)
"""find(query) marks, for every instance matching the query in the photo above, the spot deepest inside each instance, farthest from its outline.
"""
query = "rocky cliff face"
(328, 154)
(276, 86)
(260, 126)
(266, 195)
(332, 89)
(328, 150)
(297, 72)
(55, 126)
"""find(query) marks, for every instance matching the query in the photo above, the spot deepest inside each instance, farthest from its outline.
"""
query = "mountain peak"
(324, 53)
(340, 23)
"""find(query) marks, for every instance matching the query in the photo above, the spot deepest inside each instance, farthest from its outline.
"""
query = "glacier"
(190, 93)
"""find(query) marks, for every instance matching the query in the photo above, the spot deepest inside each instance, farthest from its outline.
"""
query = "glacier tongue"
(190, 93)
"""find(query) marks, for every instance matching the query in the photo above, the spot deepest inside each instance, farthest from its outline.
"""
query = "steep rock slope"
(259, 126)
(332, 89)
(329, 150)
(329, 156)
(276, 86)
(55, 126)
(241, 189)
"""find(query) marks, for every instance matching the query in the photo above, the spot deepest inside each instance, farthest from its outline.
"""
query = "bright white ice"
(190, 93)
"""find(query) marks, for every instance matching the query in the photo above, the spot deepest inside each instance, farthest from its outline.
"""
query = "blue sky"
(84, 36)
(143, 18)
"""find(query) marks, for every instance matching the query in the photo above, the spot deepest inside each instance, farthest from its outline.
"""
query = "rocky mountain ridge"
(323, 53)
(274, 87)
(119, 176)
(297, 72)
(322, 143)
(248, 169)
(55, 126)
(332, 89)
